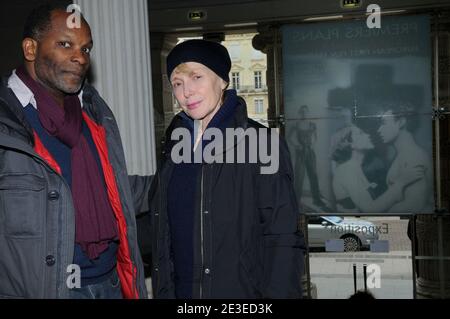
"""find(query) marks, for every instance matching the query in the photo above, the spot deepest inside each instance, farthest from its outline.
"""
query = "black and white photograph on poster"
(358, 105)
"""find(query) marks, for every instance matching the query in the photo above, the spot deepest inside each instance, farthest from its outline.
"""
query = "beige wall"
(246, 60)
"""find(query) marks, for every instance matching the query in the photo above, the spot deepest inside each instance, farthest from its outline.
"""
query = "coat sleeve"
(140, 187)
(283, 240)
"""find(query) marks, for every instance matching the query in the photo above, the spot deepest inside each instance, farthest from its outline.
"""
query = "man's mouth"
(75, 74)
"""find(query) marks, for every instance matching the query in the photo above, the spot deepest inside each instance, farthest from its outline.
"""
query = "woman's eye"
(87, 50)
(176, 84)
(197, 77)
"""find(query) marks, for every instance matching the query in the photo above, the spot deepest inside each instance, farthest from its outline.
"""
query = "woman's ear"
(29, 48)
(224, 85)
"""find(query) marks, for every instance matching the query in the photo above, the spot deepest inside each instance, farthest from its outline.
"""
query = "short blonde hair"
(182, 68)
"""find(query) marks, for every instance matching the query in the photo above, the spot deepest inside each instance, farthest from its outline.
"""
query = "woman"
(220, 230)
(353, 192)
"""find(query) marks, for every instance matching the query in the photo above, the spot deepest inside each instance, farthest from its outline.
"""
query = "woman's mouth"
(194, 105)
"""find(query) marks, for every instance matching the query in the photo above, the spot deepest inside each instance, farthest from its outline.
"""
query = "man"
(397, 123)
(305, 138)
(67, 212)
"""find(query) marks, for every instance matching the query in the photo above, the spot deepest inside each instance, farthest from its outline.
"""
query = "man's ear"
(29, 48)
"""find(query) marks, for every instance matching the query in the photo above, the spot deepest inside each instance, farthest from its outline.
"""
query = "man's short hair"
(403, 109)
(39, 21)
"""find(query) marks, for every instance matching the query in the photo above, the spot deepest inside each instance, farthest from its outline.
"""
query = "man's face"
(63, 55)
(390, 127)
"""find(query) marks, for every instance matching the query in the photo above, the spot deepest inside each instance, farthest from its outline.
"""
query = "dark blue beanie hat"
(211, 54)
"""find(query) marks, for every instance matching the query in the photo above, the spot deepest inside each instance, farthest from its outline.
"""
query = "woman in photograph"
(353, 192)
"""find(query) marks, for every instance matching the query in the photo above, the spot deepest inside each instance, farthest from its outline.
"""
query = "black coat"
(247, 236)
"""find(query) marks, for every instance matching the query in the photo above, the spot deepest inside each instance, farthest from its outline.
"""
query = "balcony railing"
(251, 89)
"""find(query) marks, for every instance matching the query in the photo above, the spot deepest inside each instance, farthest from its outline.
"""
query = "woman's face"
(361, 140)
(198, 90)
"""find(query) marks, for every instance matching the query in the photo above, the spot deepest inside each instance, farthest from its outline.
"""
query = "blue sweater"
(92, 271)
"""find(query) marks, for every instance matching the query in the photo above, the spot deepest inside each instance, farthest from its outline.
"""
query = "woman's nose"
(187, 90)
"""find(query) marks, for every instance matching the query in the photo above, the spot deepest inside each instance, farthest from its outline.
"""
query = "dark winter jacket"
(247, 240)
(37, 220)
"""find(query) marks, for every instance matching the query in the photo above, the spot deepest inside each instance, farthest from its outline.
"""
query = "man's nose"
(80, 57)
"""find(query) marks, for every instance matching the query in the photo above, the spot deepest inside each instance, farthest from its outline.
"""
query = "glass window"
(315, 220)
(257, 55)
(353, 254)
(235, 51)
(258, 79)
(334, 219)
(259, 106)
(235, 80)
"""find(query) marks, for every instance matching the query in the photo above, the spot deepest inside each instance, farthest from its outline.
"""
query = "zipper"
(201, 235)
(60, 269)
(158, 228)
(135, 281)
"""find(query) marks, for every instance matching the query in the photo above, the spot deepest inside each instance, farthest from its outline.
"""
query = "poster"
(358, 105)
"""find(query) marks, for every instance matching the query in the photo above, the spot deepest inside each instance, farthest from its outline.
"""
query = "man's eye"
(64, 44)
(197, 77)
(177, 84)
(87, 50)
